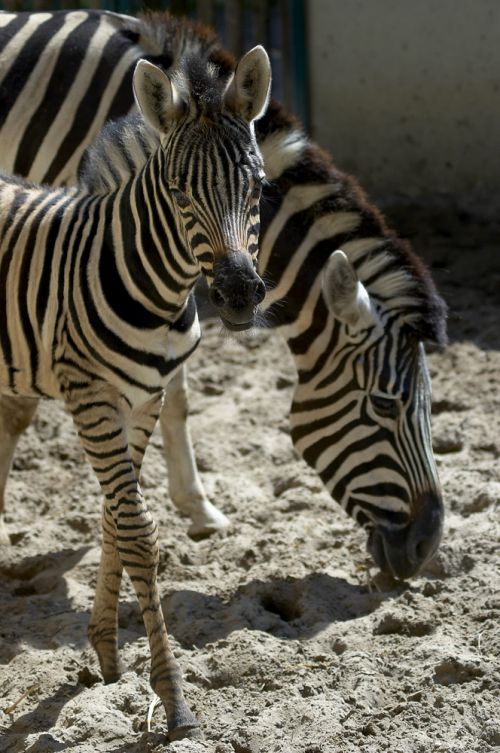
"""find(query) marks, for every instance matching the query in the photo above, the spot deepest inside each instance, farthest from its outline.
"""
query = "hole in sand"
(286, 606)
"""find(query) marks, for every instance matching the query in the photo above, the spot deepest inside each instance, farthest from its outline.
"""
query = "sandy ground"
(284, 647)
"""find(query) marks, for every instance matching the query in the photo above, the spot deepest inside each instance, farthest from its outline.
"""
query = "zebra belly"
(20, 379)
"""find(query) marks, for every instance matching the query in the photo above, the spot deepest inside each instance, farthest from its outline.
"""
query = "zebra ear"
(248, 92)
(346, 297)
(156, 96)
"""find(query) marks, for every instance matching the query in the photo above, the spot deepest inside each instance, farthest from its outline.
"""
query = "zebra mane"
(192, 55)
(165, 39)
(200, 69)
(120, 151)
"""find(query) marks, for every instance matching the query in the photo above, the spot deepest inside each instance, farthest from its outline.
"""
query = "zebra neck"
(155, 262)
(313, 338)
(297, 310)
(294, 304)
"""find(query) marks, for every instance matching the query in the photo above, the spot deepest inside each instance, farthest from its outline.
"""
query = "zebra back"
(64, 74)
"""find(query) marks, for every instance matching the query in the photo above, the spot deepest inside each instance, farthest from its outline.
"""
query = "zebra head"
(213, 169)
(363, 421)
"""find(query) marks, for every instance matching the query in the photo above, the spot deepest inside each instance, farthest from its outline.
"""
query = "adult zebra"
(96, 306)
(360, 414)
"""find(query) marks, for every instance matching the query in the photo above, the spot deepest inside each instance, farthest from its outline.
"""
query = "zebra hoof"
(183, 724)
(111, 677)
(185, 732)
(111, 671)
(206, 521)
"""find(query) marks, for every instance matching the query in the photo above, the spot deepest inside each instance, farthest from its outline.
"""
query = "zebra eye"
(385, 407)
(256, 191)
(180, 197)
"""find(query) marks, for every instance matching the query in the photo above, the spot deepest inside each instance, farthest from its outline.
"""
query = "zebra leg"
(15, 416)
(185, 486)
(103, 625)
(115, 445)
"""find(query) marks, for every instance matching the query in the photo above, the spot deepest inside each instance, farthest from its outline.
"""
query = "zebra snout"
(236, 291)
(251, 294)
(403, 552)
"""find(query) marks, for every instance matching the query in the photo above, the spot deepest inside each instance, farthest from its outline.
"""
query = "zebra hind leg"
(185, 486)
(15, 416)
(115, 444)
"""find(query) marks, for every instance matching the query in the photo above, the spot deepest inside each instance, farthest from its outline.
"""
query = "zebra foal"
(96, 306)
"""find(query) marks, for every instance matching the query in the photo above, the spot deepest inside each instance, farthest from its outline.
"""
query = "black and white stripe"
(68, 104)
(360, 414)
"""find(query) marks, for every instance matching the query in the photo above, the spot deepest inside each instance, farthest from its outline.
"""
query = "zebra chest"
(145, 379)
(137, 367)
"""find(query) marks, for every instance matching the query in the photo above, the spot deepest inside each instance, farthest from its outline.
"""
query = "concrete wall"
(406, 93)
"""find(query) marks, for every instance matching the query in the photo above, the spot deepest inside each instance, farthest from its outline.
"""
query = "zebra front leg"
(15, 416)
(185, 486)
(103, 625)
(115, 445)
(95, 422)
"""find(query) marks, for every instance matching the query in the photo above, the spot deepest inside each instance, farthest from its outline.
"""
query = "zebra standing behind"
(96, 305)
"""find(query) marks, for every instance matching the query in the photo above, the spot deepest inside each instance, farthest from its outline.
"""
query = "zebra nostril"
(217, 298)
(260, 292)
(420, 550)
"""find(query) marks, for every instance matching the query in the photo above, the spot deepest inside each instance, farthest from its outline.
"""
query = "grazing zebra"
(354, 321)
(96, 305)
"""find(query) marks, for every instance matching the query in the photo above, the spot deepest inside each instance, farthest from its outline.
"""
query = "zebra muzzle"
(236, 291)
(403, 552)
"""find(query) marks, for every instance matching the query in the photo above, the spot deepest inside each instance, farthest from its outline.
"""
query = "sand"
(288, 639)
